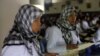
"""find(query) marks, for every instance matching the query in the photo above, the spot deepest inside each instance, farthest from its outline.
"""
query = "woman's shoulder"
(53, 29)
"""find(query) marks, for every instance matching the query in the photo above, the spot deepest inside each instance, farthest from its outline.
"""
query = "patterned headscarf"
(64, 24)
(21, 33)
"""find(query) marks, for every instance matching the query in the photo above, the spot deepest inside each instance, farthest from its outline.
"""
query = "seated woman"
(94, 49)
(22, 39)
(85, 22)
(59, 35)
(78, 25)
(96, 38)
(87, 29)
(95, 19)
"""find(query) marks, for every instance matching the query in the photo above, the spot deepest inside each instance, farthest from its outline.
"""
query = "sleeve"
(52, 37)
(98, 35)
(79, 41)
(85, 25)
(74, 37)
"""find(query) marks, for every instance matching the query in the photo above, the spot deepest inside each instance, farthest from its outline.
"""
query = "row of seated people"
(68, 31)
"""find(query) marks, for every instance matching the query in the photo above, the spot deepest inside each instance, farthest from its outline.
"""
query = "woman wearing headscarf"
(59, 35)
(22, 39)
(67, 24)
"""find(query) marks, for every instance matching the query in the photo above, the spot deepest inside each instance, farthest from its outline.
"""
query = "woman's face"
(36, 25)
(72, 18)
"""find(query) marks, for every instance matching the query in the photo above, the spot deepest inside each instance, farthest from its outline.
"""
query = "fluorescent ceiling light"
(40, 7)
(57, 1)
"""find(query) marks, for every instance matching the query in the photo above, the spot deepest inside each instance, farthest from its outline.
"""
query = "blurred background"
(9, 8)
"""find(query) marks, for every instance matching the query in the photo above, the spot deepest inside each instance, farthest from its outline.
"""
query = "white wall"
(94, 6)
(8, 10)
